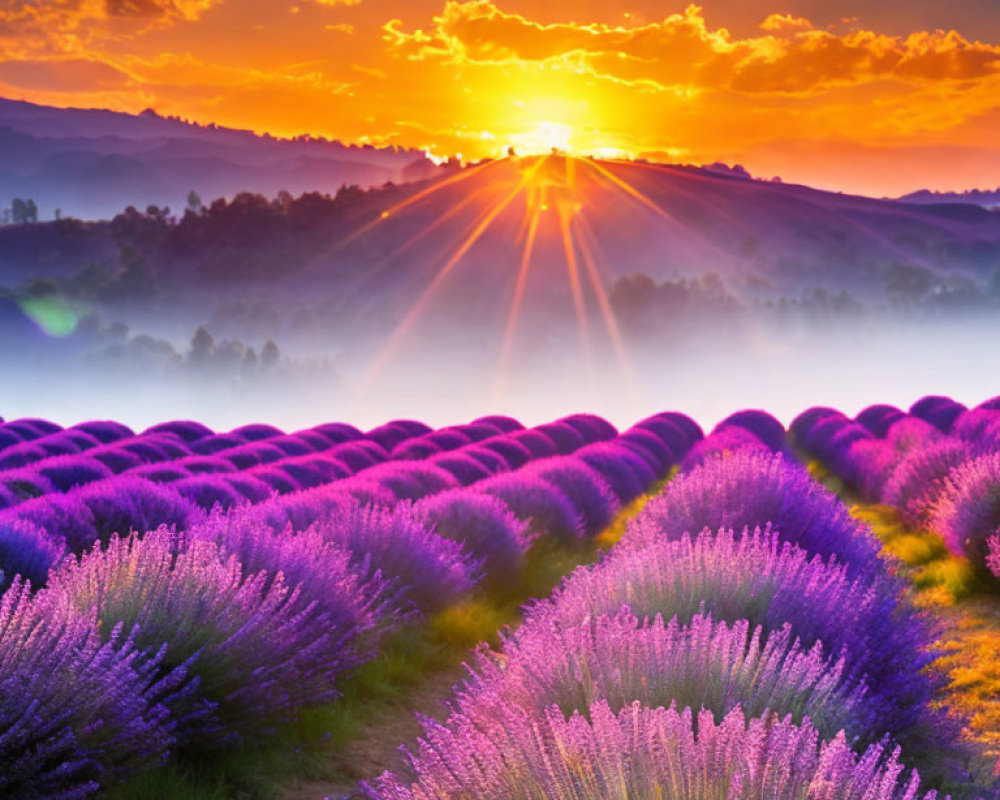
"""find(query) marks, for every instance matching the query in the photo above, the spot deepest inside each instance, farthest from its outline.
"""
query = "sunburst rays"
(553, 195)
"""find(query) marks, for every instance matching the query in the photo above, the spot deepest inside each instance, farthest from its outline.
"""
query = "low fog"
(441, 380)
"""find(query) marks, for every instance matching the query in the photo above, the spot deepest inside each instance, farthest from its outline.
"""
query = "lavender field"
(657, 612)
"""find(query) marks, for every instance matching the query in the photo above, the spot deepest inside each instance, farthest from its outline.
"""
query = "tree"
(194, 202)
(269, 355)
(23, 211)
(202, 346)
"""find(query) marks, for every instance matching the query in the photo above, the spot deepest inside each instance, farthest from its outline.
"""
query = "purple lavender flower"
(116, 458)
(908, 432)
(722, 442)
(27, 550)
(186, 429)
(762, 425)
(448, 438)
(753, 489)
(411, 480)
(703, 664)
(123, 504)
(490, 459)
(218, 443)
(993, 554)
(971, 425)
(65, 443)
(208, 491)
(21, 455)
(416, 448)
(866, 466)
(563, 435)
(105, 431)
(918, 478)
(592, 427)
(253, 454)
(539, 503)
(504, 423)
(167, 472)
(338, 432)
(253, 489)
(464, 468)
(26, 483)
(75, 714)
(537, 443)
(941, 412)
(515, 454)
(67, 472)
(359, 455)
(477, 431)
(256, 432)
(170, 444)
(809, 418)
(759, 578)
(61, 516)
(32, 427)
(877, 418)
(316, 441)
(641, 753)
(424, 570)
(8, 438)
(258, 643)
(590, 494)
(625, 471)
(484, 525)
(279, 480)
(651, 449)
(392, 433)
(967, 510)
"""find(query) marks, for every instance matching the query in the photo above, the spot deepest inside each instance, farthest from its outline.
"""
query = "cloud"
(682, 49)
(68, 75)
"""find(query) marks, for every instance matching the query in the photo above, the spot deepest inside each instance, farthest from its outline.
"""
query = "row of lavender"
(939, 464)
(72, 500)
(743, 640)
(211, 630)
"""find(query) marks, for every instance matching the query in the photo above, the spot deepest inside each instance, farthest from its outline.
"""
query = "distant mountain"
(988, 198)
(91, 163)
(552, 234)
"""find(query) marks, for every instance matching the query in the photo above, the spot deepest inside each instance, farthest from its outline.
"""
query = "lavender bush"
(76, 714)
(485, 527)
(758, 578)
(967, 510)
(539, 503)
(423, 570)
(753, 489)
(642, 753)
(703, 664)
(255, 647)
(590, 493)
(918, 478)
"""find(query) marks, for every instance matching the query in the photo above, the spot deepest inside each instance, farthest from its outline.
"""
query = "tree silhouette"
(23, 211)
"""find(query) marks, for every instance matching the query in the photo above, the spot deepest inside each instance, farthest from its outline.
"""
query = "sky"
(873, 98)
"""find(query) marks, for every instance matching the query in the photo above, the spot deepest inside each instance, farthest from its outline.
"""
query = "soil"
(378, 747)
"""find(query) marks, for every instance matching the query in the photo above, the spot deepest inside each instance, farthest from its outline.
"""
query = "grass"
(968, 645)
(379, 691)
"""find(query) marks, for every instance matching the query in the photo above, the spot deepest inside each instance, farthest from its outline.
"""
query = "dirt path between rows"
(378, 747)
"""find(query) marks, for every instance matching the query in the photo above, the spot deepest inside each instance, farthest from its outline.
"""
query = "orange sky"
(879, 101)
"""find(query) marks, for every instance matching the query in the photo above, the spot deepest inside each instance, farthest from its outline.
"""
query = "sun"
(547, 137)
